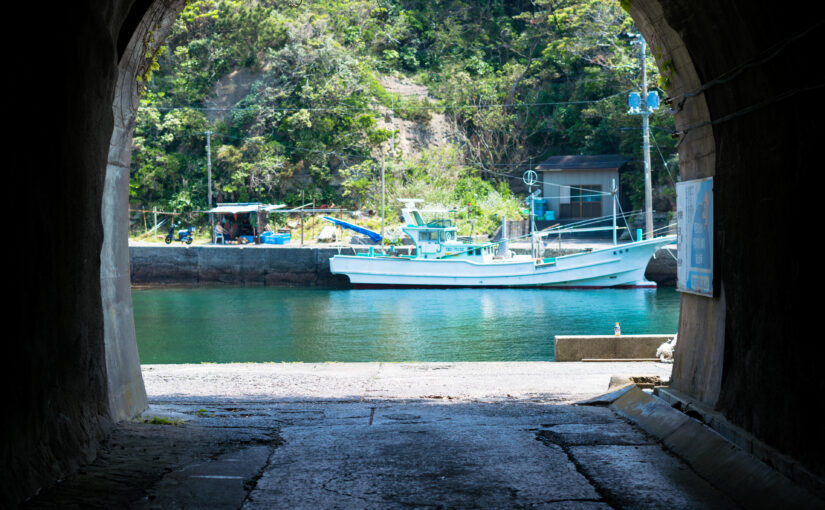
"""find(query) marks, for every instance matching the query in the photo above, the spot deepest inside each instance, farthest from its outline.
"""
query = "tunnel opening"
(222, 135)
(746, 352)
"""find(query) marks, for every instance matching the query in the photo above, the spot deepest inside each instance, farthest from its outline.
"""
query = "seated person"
(220, 231)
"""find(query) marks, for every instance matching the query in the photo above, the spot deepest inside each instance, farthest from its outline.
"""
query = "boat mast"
(529, 178)
(615, 197)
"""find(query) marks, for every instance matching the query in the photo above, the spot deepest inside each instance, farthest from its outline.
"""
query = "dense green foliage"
(519, 81)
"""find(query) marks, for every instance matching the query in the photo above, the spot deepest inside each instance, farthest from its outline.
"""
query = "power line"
(772, 52)
(371, 108)
(748, 109)
(305, 149)
(663, 158)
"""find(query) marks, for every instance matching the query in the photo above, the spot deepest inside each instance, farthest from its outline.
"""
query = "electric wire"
(336, 108)
(735, 71)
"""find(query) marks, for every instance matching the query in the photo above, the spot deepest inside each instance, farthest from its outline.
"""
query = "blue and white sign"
(652, 100)
(634, 102)
(694, 213)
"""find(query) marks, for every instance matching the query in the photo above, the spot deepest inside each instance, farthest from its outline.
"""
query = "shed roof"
(245, 207)
(582, 162)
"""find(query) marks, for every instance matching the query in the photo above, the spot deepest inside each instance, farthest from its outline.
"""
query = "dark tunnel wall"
(61, 112)
(768, 151)
(64, 74)
(748, 351)
(754, 63)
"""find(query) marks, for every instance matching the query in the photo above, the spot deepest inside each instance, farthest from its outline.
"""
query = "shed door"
(585, 202)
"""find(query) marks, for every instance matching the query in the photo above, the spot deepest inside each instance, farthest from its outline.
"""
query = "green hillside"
(295, 94)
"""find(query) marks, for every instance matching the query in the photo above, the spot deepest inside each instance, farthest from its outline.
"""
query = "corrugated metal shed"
(560, 163)
(579, 186)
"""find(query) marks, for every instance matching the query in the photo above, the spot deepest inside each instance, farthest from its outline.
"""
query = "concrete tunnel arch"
(728, 65)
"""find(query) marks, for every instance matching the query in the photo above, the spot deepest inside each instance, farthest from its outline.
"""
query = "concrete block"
(579, 347)
(747, 480)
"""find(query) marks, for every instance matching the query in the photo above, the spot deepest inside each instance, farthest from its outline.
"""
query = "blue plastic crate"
(273, 238)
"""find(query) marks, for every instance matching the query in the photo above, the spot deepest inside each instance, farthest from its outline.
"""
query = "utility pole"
(382, 195)
(392, 147)
(302, 217)
(209, 181)
(643, 103)
(646, 144)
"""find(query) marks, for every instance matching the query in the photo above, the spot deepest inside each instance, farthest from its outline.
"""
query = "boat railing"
(365, 250)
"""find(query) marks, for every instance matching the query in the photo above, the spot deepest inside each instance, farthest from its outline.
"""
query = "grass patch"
(162, 420)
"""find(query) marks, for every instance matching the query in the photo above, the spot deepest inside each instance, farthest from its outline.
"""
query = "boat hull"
(618, 266)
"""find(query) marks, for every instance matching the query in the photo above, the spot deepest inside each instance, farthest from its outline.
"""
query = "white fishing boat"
(442, 260)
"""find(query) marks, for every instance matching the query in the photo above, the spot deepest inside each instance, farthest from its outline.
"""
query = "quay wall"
(604, 347)
(244, 265)
(272, 265)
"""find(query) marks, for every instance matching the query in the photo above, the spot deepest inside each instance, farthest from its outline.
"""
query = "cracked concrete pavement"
(372, 435)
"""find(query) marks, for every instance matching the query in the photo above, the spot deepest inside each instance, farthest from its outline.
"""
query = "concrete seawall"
(244, 265)
(274, 265)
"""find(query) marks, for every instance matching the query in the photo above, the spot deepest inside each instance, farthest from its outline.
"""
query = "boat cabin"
(438, 239)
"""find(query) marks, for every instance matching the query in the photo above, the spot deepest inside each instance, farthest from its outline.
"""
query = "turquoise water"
(314, 325)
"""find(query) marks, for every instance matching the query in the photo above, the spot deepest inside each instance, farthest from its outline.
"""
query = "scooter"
(184, 236)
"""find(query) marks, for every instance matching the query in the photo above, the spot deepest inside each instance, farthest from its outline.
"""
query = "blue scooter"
(184, 236)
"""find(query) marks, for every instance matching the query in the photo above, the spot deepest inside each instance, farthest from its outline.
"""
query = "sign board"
(694, 213)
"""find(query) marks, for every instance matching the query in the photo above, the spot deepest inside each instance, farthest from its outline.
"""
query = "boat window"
(428, 235)
(441, 223)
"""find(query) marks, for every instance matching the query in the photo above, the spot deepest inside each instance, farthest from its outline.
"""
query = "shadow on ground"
(316, 453)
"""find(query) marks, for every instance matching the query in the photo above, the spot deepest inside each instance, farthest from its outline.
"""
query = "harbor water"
(222, 325)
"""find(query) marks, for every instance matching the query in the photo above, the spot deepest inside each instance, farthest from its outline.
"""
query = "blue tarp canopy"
(375, 236)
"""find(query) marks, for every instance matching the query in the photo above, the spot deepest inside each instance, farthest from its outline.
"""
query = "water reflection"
(316, 325)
